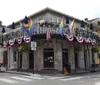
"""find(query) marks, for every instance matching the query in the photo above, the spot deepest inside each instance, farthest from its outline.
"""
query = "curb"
(20, 73)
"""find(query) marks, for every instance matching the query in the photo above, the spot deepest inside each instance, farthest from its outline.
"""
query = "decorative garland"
(79, 39)
(93, 42)
(87, 40)
(11, 42)
(5, 44)
(70, 37)
(19, 40)
(27, 39)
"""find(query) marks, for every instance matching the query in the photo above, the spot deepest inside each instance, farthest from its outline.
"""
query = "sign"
(33, 45)
(33, 48)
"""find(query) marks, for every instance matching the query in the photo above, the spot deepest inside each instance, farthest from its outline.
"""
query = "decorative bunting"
(27, 39)
(12, 42)
(5, 44)
(93, 42)
(70, 37)
(87, 40)
(19, 40)
(80, 39)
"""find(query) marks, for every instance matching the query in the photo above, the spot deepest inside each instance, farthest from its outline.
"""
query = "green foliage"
(96, 49)
(24, 47)
(78, 48)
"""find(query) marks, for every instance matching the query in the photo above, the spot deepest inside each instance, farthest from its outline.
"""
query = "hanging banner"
(70, 37)
(79, 39)
(5, 44)
(93, 42)
(27, 39)
(19, 40)
(11, 42)
(87, 40)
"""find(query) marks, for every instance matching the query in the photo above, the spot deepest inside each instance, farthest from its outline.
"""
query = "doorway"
(31, 59)
(49, 58)
(65, 57)
(20, 60)
(76, 60)
(5, 59)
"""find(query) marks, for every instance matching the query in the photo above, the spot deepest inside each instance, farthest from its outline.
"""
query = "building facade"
(55, 53)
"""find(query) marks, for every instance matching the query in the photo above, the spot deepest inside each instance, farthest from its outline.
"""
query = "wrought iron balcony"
(54, 29)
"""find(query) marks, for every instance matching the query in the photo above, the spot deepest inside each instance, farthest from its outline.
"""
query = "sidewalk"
(49, 73)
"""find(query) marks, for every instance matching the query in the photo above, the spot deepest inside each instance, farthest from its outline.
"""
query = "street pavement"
(37, 79)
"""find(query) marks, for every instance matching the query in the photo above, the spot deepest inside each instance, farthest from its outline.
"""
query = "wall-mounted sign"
(33, 45)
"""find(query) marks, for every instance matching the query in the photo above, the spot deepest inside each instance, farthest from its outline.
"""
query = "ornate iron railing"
(54, 29)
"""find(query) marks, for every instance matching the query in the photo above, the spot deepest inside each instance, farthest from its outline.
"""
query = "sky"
(14, 10)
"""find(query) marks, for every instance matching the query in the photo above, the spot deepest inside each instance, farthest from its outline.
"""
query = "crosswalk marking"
(8, 80)
(20, 78)
(71, 78)
(97, 83)
(33, 77)
(55, 77)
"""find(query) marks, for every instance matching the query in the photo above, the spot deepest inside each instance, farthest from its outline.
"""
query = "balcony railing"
(54, 29)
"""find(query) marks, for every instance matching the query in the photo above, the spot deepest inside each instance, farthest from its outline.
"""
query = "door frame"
(32, 59)
(64, 50)
(48, 50)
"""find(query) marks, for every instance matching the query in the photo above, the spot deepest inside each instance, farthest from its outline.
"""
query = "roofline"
(47, 8)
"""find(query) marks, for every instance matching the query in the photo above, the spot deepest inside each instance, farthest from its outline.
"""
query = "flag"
(23, 28)
(61, 26)
(91, 27)
(30, 29)
(67, 20)
(48, 36)
(13, 25)
(3, 30)
(71, 26)
(82, 23)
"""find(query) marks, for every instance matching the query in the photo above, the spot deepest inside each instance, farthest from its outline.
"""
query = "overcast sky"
(14, 10)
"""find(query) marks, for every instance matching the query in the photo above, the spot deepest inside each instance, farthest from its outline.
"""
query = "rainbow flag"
(61, 26)
(28, 30)
(71, 26)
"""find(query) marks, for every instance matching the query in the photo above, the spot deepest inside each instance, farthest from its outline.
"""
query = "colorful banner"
(27, 39)
(70, 37)
(5, 44)
(80, 39)
(11, 42)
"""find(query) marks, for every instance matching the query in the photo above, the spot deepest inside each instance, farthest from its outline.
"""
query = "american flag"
(48, 36)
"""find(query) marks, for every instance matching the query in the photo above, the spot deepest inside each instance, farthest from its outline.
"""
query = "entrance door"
(31, 60)
(76, 60)
(20, 57)
(65, 57)
(48, 58)
(5, 59)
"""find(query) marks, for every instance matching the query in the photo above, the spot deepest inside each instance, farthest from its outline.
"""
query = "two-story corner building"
(58, 51)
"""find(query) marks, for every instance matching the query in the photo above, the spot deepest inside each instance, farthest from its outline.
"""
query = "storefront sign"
(33, 45)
